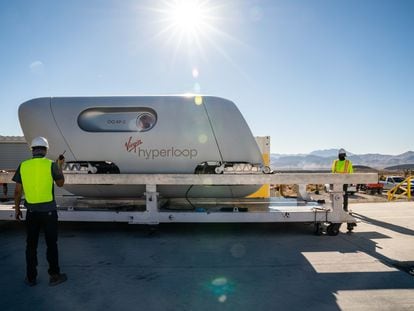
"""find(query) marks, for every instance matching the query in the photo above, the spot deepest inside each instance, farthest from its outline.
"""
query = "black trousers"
(35, 221)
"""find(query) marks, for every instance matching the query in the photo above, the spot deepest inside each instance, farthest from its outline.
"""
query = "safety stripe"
(346, 166)
(335, 168)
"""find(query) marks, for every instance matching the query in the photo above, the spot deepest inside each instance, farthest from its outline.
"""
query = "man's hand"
(60, 161)
(18, 213)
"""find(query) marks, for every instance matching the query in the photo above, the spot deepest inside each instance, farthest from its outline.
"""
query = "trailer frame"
(327, 217)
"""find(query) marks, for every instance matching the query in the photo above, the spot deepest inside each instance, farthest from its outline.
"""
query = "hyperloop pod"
(145, 135)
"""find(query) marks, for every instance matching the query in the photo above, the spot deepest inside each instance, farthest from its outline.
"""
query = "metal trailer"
(328, 216)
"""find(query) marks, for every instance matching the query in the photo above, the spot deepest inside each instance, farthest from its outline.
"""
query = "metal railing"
(401, 190)
(320, 214)
(212, 179)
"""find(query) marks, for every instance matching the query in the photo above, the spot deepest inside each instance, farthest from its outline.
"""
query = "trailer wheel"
(333, 229)
(267, 170)
(219, 170)
(318, 230)
(350, 227)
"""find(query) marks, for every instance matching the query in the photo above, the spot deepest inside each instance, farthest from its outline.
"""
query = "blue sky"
(311, 74)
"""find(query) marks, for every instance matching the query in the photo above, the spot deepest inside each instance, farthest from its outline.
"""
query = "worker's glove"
(18, 214)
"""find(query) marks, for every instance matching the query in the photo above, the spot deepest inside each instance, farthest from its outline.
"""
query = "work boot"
(56, 279)
(30, 282)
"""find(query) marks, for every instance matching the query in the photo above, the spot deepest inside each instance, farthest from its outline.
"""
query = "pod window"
(117, 119)
(145, 121)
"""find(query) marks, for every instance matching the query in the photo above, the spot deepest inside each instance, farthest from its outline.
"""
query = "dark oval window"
(146, 121)
(117, 119)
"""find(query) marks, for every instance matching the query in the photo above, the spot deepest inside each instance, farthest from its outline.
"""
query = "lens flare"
(197, 87)
(221, 281)
(222, 298)
(198, 100)
(195, 73)
(202, 139)
(221, 287)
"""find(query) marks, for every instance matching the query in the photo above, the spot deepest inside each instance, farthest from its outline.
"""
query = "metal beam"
(153, 214)
(211, 179)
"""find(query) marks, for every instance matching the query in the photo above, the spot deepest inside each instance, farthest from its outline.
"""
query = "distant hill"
(322, 159)
(401, 167)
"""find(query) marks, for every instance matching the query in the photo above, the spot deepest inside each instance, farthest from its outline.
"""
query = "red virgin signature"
(132, 145)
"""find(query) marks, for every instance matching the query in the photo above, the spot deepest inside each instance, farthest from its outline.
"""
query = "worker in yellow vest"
(343, 166)
(36, 177)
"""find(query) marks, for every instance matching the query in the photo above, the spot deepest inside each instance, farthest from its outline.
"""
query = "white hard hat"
(39, 142)
(341, 151)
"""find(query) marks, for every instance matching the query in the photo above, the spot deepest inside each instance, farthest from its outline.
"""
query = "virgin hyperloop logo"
(134, 145)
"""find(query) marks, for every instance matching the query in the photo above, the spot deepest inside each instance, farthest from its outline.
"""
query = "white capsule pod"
(144, 135)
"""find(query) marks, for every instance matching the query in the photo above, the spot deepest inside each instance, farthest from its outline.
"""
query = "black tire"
(350, 227)
(333, 229)
(267, 170)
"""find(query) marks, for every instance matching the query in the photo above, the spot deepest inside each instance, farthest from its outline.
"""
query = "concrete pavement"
(221, 266)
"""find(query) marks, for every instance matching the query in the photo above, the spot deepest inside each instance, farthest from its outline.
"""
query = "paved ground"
(221, 267)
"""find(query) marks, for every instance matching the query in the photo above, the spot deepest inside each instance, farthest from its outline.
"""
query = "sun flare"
(190, 21)
(187, 16)
(196, 30)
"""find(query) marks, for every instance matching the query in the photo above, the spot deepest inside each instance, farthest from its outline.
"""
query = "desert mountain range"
(322, 159)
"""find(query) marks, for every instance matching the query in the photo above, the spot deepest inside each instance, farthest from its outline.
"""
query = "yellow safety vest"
(342, 167)
(37, 180)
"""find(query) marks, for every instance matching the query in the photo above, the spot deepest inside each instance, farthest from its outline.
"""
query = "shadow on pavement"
(194, 267)
(383, 224)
